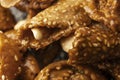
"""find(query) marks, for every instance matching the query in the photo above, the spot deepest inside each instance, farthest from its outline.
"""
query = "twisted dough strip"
(94, 44)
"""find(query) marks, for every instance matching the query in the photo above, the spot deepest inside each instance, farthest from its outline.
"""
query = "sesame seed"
(89, 44)
(76, 54)
(105, 41)
(98, 38)
(19, 69)
(54, 22)
(95, 44)
(108, 44)
(78, 34)
(58, 67)
(47, 70)
(45, 20)
(105, 36)
(16, 58)
(49, 23)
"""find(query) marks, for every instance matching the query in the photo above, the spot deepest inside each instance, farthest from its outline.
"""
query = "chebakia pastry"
(57, 21)
(64, 71)
(10, 59)
(7, 20)
(104, 11)
(94, 44)
(85, 33)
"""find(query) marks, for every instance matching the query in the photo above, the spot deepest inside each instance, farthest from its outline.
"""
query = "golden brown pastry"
(10, 59)
(44, 56)
(104, 11)
(64, 71)
(7, 20)
(59, 20)
(63, 14)
(94, 43)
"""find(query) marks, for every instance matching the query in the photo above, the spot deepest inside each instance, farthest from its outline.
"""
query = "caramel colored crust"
(59, 20)
(64, 71)
(10, 59)
(7, 20)
(63, 14)
(104, 11)
(94, 44)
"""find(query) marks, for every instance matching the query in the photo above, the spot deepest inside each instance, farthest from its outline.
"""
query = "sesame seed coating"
(61, 19)
(104, 11)
(94, 44)
(63, 71)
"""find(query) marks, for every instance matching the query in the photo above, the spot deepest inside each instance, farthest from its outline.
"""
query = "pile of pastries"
(60, 40)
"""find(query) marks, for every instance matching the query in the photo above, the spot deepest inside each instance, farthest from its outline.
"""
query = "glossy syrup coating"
(62, 14)
(59, 20)
(5, 18)
(8, 3)
(93, 44)
(10, 59)
(63, 71)
(104, 11)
